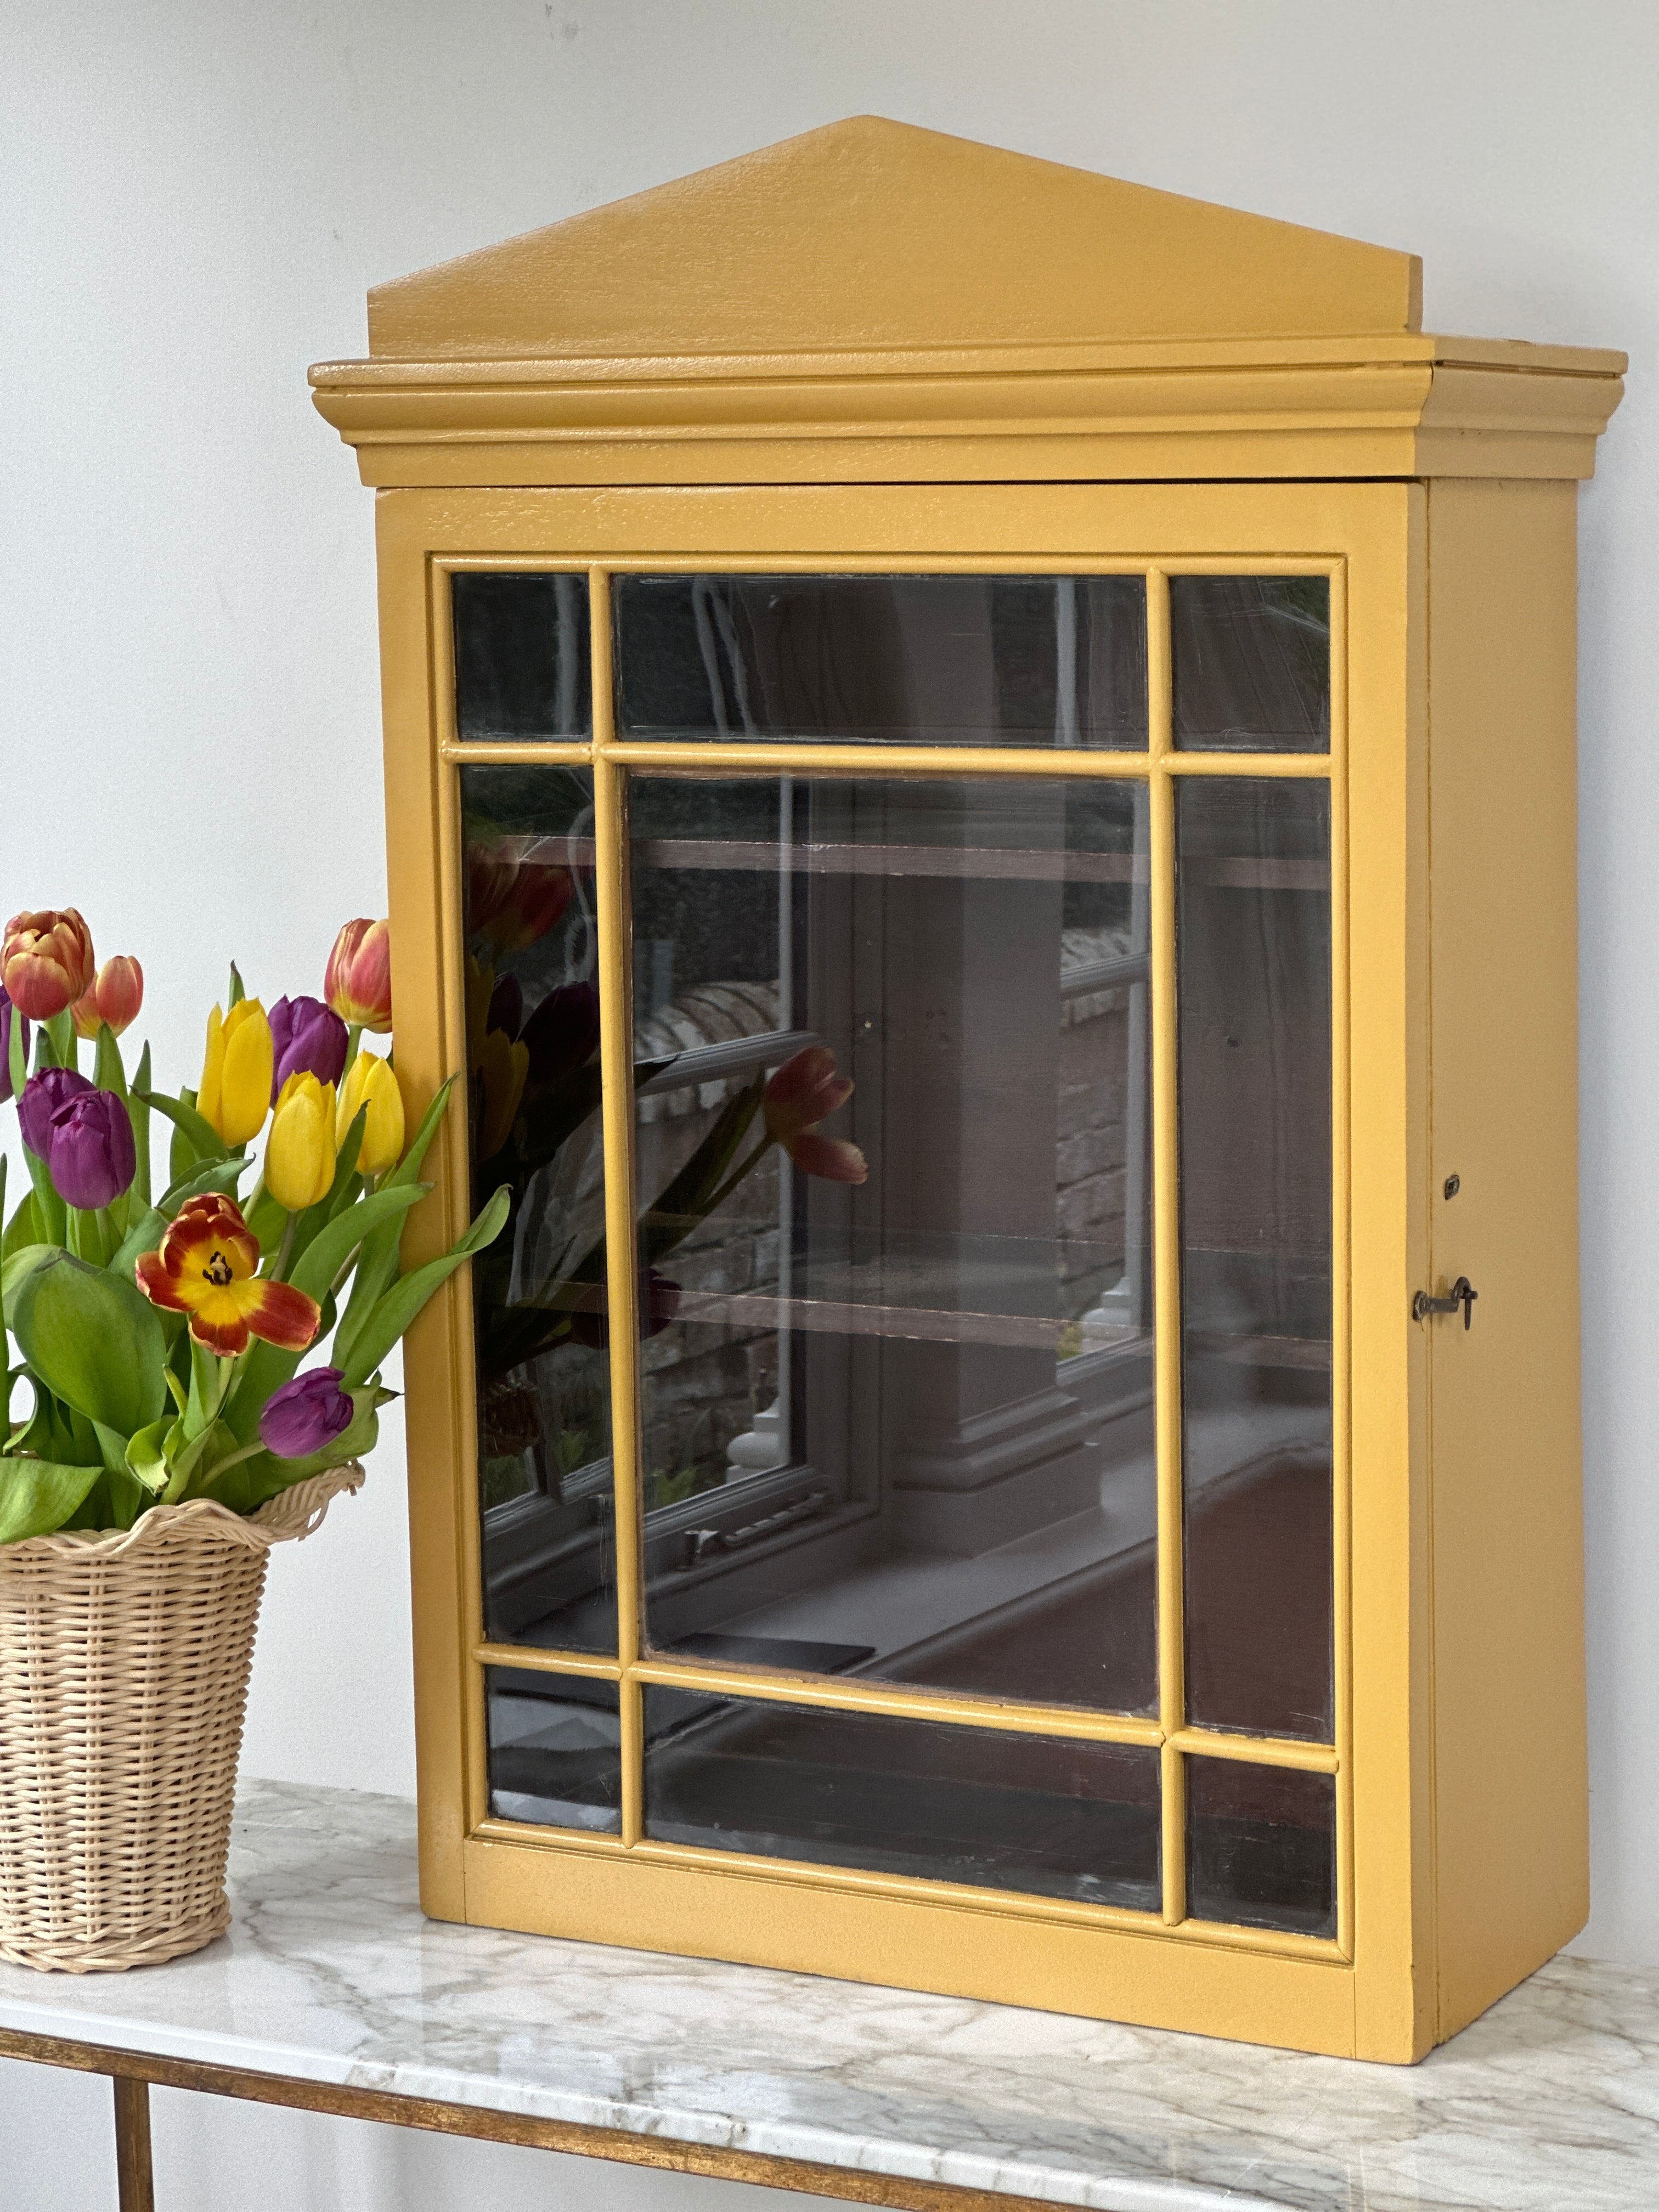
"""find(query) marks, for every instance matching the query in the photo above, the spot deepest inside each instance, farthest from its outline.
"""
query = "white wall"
(197, 194)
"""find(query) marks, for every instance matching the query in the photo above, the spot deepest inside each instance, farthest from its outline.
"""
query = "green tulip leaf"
(147, 1458)
(144, 1235)
(138, 1114)
(95, 1342)
(394, 1312)
(198, 1179)
(201, 1137)
(38, 1496)
(50, 1211)
(107, 1071)
(17, 1066)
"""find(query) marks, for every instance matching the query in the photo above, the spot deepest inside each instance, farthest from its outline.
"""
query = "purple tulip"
(564, 1032)
(44, 1098)
(91, 1153)
(8, 1015)
(306, 1414)
(308, 1039)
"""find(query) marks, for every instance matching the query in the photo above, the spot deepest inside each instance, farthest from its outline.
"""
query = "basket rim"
(293, 1514)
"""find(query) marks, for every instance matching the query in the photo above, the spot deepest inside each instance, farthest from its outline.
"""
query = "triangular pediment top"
(873, 236)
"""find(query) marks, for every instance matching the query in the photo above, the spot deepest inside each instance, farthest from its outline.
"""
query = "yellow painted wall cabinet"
(980, 772)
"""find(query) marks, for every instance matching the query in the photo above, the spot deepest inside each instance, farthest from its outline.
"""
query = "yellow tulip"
(369, 1082)
(234, 1095)
(502, 1067)
(299, 1150)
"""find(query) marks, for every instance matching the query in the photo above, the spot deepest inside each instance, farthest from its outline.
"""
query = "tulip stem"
(231, 1459)
(354, 1031)
(284, 1251)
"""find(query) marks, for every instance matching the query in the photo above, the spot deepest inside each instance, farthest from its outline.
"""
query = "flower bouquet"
(172, 1436)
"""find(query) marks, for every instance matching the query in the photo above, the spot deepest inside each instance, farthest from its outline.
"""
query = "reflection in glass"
(1030, 1812)
(896, 1374)
(935, 660)
(1251, 662)
(554, 1749)
(1261, 1846)
(521, 656)
(1254, 938)
(533, 1033)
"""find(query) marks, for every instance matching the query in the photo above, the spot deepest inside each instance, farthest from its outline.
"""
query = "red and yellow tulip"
(115, 997)
(357, 982)
(234, 1095)
(46, 962)
(205, 1267)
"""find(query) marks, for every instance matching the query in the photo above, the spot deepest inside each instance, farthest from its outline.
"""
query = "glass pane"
(1254, 932)
(901, 1796)
(543, 1374)
(920, 660)
(1252, 663)
(554, 1749)
(898, 1426)
(1261, 1846)
(521, 656)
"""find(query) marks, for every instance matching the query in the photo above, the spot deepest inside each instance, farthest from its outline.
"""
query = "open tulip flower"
(234, 1095)
(46, 962)
(804, 1092)
(357, 982)
(205, 1267)
(116, 996)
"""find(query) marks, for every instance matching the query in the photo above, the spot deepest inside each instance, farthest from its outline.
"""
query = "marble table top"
(331, 1974)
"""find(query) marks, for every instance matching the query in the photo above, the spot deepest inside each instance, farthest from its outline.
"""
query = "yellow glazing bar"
(789, 758)
(846, 759)
(1166, 1247)
(898, 1701)
(1249, 763)
(616, 1085)
(512, 752)
(1342, 1186)
(1257, 1750)
(532, 1658)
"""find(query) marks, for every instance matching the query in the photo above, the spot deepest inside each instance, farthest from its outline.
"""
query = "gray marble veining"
(1550, 2104)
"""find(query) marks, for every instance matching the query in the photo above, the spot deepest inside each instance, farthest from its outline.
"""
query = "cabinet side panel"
(1511, 1783)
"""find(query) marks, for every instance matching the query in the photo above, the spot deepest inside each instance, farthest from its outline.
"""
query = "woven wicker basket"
(124, 1671)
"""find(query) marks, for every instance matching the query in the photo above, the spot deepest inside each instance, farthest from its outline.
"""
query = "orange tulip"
(46, 962)
(114, 997)
(804, 1092)
(205, 1266)
(357, 982)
